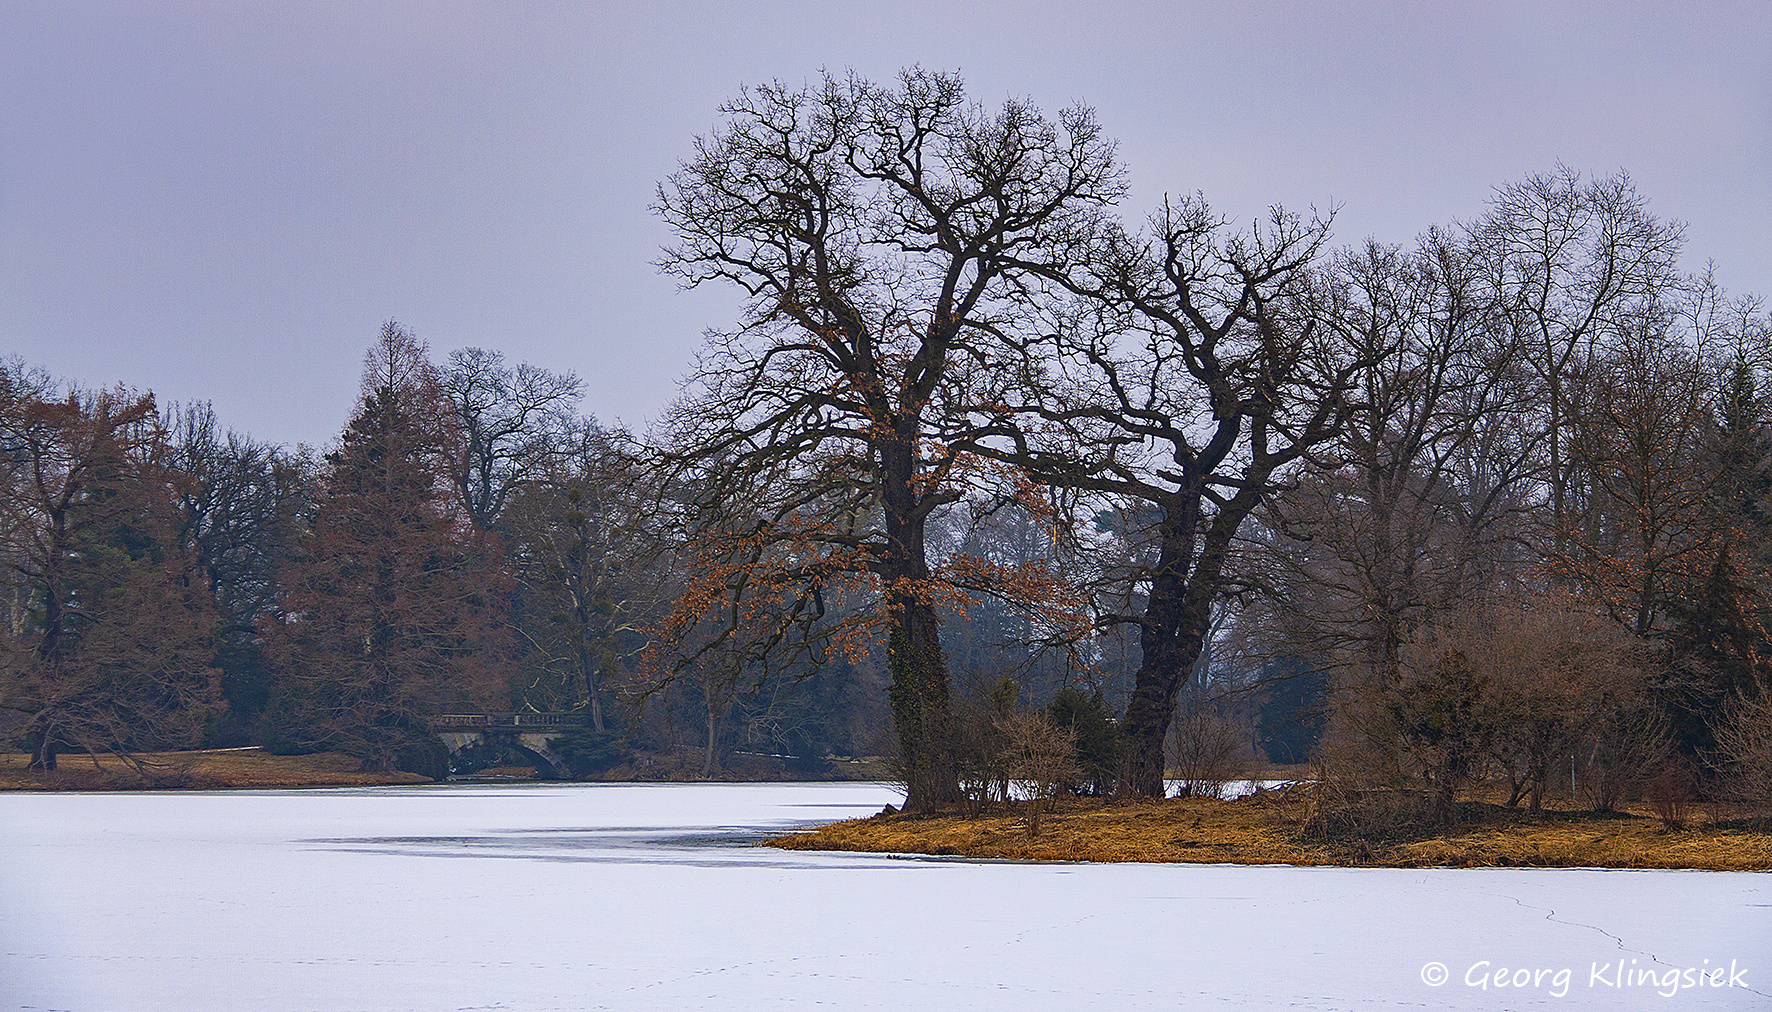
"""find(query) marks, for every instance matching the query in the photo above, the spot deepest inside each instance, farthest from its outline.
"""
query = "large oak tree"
(1195, 373)
(884, 238)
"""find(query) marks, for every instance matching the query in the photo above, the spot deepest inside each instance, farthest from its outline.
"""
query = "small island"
(1275, 827)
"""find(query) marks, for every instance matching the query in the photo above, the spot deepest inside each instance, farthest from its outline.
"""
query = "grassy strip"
(1263, 829)
(224, 769)
(214, 770)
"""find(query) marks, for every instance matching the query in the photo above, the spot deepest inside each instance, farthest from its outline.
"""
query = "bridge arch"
(529, 734)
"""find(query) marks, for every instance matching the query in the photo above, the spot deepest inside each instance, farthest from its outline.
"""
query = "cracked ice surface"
(650, 897)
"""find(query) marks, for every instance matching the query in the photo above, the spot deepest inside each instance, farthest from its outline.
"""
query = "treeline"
(471, 543)
(1493, 508)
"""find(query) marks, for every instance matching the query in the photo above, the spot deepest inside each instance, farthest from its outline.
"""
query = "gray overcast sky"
(224, 201)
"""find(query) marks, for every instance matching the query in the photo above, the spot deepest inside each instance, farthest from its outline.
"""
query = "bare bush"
(1743, 756)
(1671, 791)
(1040, 758)
(1554, 669)
(1626, 748)
(1526, 692)
(1358, 790)
(1209, 749)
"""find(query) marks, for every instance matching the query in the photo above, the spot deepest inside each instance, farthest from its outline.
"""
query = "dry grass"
(219, 769)
(223, 769)
(1263, 829)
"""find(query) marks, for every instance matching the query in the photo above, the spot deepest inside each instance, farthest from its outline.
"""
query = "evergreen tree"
(1720, 646)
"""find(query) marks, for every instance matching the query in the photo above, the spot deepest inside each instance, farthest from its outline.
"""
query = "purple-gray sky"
(224, 201)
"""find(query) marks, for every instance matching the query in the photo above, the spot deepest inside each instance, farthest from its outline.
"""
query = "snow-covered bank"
(641, 896)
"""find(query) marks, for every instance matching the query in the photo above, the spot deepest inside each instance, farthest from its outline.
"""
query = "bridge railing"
(502, 720)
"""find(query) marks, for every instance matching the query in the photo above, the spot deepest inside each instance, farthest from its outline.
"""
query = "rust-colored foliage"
(394, 610)
(106, 644)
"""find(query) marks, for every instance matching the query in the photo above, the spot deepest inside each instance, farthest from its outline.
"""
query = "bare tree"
(592, 554)
(881, 236)
(1638, 439)
(242, 506)
(1566, 261)
(508, 424)
(1193, 378)
(1421, 500)
(738, 624)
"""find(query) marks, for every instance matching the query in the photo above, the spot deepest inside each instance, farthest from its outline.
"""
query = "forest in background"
(1493, 508)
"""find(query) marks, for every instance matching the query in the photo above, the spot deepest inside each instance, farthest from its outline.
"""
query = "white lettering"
(1555, 983)
(1670, 980)
(1482, 982)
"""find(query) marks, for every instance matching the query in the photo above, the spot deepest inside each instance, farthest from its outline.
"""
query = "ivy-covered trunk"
(919, 690)
(919, 694)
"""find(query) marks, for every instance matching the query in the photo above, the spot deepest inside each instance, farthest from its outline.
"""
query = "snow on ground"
(628, 896)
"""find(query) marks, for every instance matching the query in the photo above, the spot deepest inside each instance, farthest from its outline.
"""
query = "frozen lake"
(624, 896)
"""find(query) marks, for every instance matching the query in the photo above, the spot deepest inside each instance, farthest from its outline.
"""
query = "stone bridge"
(528, 734)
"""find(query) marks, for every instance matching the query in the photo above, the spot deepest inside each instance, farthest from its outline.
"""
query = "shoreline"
(222, 769)
(1264, 829)
(251, 767)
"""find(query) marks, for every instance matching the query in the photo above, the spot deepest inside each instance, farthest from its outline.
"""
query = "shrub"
(1671, 791)
(427, 757)
(1097, 738)
(1209, 750)
(1627, 747)
(978, 741)
(1436, 708)
(1040, 758)
(1358, 787)
(1743, 756)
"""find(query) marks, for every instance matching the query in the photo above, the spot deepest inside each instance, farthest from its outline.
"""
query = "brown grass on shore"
(1264, 829)
(224, 769)
(219, 769)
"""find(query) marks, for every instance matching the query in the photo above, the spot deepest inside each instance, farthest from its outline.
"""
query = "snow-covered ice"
(650, 897)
